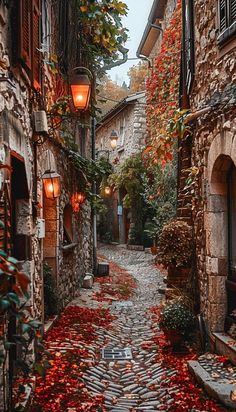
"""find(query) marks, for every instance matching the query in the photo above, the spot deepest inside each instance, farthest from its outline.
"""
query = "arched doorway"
(231, 279)
(220, 288)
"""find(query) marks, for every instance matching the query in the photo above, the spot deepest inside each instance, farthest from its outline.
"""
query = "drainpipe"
(94, 216)
(148, 27)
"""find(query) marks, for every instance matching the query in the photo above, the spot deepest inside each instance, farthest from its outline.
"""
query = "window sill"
(68, 248)
(227, 35)
(120, 149)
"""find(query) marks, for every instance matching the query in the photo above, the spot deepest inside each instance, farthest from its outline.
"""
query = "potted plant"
(177, 321)
(175, 246)
(175, 251)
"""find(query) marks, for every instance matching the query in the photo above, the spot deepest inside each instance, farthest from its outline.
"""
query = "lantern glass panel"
(81, 95)
(52, 186)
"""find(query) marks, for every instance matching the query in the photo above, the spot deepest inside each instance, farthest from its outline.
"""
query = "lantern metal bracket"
(85, 69)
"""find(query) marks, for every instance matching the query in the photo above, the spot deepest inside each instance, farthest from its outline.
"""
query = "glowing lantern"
(113, 139)
(76, 200)
(107, 190)
(52, 185)
(80, 85)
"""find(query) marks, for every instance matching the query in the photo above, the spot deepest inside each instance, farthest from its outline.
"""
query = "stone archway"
(221, 158)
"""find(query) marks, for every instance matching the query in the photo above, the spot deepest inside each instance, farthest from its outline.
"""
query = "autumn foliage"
(163, 92)
(187, 395)
(63, 388)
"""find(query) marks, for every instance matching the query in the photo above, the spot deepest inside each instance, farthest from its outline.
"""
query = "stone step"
(225, 345)
(217, 389)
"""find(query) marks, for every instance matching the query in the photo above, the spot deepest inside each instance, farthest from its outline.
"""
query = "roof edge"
(120, 106)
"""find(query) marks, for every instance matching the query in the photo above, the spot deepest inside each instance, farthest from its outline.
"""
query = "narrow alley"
(117, 205)
(124, 362)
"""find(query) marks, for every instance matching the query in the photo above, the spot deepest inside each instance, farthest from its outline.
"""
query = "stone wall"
(134, 117)
(212, 152)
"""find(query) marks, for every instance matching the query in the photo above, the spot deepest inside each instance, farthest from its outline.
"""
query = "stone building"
(208, 88)
(128, 120)
(29, 88)
(39, 229)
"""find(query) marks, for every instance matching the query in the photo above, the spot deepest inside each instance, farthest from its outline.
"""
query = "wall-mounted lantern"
(107, 190)
(80, 85)
(113, 139)
(77, 199)
(52, 184)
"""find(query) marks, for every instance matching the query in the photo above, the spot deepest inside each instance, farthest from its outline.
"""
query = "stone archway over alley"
(136, 371)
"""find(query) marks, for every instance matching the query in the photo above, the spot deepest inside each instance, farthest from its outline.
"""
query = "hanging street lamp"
(107, 190)
(80, 85)
(52, 184)
(77, 199)
(113, 139)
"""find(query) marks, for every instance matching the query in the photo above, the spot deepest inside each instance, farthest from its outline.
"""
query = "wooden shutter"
(25, 32)
(232, 11)
(36, 44)
(223, 15)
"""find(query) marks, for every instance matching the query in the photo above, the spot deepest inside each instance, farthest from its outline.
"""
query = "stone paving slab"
(219, 388)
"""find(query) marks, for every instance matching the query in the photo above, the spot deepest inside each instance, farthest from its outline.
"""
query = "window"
(121, 140)
(67, 225)
(188, 36)
(46, 27)
(28, 38)
(227, 20)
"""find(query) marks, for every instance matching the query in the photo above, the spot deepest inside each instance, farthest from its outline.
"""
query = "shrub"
(177, 316)
(175, 244)
(52, 305)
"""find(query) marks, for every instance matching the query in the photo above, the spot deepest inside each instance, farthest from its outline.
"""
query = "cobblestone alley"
(122, 362)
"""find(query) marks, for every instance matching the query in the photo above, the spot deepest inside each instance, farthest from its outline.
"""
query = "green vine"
(90, 173)
(101, 32)
(18, 330)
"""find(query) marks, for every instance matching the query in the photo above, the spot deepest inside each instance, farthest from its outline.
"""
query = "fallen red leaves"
(63, 388)
(118, 286)
(186, 394)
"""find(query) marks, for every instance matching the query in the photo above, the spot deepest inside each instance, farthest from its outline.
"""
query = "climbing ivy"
(130, 178)
(91, 174)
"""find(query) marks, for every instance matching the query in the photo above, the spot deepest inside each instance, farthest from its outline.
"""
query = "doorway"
(231, 279)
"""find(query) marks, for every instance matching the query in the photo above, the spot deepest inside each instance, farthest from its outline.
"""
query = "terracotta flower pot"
(154, 250)
(173, 336)
(177, 275)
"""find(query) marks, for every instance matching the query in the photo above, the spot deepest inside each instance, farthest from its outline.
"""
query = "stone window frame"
(226, 18)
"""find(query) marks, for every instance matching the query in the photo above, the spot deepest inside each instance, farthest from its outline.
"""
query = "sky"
(135, 21)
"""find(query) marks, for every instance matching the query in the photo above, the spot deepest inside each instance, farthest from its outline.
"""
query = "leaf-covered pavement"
(80, 380)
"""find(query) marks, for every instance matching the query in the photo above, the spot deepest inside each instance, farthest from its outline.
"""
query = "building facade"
(29, 86)
(128, 120)
(209, 84)
(38, 229)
